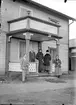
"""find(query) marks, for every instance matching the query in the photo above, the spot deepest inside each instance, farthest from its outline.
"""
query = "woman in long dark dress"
(39, 57)
(47, 59)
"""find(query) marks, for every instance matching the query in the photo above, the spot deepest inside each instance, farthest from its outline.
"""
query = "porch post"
(8, 42)
(57, 44)
(51, 61)
(27, 38)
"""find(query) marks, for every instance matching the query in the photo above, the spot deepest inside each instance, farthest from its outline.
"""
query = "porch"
(29, 30)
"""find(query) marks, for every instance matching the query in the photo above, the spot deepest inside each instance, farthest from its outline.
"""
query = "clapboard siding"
(63, 54)
(11, 10)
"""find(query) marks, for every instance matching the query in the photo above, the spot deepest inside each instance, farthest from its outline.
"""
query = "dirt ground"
(46, 91)
(47, 97)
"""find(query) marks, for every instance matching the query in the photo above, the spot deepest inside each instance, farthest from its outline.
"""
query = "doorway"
(52, 53)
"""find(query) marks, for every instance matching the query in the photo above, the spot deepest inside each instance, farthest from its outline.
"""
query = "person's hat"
(47, 50)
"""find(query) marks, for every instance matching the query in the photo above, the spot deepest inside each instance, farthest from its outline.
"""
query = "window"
(22, 48)
(23, 11)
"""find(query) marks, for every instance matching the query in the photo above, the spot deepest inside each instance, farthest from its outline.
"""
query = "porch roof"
(37, 35)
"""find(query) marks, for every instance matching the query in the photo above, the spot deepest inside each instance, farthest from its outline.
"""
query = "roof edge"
(50, 9)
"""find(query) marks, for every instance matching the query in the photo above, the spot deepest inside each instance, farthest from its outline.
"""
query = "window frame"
(22, 7)
(19, 48)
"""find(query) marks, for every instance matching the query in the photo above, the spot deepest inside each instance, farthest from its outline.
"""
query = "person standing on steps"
(47, 59)
(39, 57)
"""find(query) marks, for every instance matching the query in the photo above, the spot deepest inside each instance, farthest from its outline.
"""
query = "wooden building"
(29, 25)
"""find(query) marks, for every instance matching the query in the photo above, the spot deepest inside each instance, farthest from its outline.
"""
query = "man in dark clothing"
(47, 59)
(32, 56)
(39, 57)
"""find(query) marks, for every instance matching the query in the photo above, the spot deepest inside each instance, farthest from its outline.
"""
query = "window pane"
(22, 49)
(14, 51)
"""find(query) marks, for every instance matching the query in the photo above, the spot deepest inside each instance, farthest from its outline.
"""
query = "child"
(57, 62)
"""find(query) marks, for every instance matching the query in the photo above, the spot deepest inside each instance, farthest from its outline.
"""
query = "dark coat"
(47, 59)
(32, 56)
(39, 57)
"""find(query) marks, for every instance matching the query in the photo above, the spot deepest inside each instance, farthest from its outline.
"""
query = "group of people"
(43, 63)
